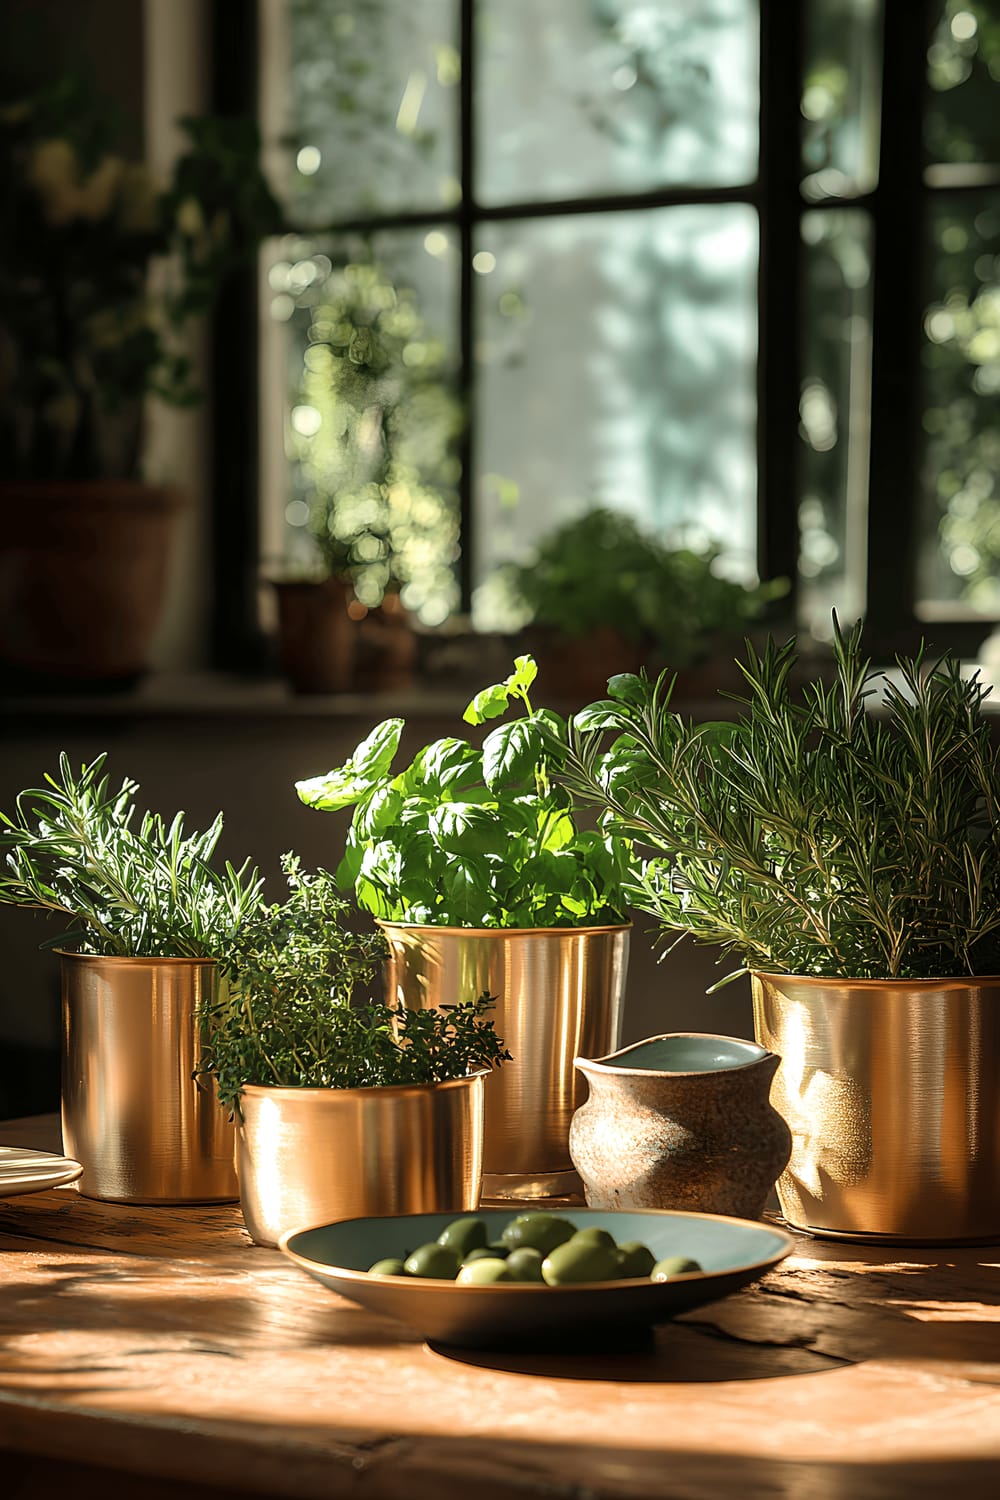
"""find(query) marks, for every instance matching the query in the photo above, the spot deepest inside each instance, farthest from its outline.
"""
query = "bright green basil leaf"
(524, 673)
(597, 716)
(466, 893)
(489, 703)
(446, 763)
(555, 828)
(466, 829)
(510, 753)
(626, 687)
(340, 788)
(374, 756)
(378, 812)
(350, 866)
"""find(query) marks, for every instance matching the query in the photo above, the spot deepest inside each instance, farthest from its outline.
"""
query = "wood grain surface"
(156, 1352)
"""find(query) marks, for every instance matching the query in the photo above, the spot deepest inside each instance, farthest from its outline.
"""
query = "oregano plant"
(473, 835)
(295, 1010)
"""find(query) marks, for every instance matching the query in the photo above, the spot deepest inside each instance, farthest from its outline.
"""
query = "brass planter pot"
(312, 1156)
(559, 996)
(144, 1130)
(892, 1092)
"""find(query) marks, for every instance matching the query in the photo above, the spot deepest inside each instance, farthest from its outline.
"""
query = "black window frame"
(897, 205)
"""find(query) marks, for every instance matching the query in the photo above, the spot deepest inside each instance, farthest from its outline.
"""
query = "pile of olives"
(533, 1247)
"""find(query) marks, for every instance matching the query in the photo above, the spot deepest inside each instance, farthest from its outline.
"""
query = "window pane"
(841, 98)
(959, 557)
(371, 417)
(963, 70)
(373, 107)
(834, 413)
(616, 364)
(575, 99)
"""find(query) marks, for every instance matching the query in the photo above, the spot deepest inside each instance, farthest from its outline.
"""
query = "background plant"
(601, 568)
(150, 891)
(84, 333)
(472, 837)
(290, 1012)
(813, 835)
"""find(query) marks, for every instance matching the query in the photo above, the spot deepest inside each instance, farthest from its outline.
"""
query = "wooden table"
(155, 1352)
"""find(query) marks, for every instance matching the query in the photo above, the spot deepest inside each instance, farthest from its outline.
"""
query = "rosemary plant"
(150, 891)
(292, 1012)
(820, 833)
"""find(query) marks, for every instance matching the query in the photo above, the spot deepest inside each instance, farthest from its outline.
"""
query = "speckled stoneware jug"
(682, 1121)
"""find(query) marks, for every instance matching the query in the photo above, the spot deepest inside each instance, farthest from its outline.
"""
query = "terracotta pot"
(681, 1121)
(83, 575)
(386, 647)
(316, 635)
(577, 668)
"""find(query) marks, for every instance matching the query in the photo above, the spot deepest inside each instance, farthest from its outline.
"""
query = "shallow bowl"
(732, 1253)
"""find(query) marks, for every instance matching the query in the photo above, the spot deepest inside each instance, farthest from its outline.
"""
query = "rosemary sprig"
(818, 834)
(150, 891)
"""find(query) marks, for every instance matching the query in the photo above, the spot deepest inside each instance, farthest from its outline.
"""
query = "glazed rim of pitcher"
(717, 1054)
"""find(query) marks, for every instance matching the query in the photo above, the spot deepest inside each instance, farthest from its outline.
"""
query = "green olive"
(484, 1272)
(484, 1252)
(434, 1261)
(541, 1231)
(463, 1235)
(580, 1260)
(525, 1264)
(594, 1236)
(635, 1259)
(674, 1265)
(498, 1248)
(392, 1267)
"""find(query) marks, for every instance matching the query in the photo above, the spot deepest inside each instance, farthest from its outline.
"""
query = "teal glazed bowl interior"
(732, 1253)
(685, 1052)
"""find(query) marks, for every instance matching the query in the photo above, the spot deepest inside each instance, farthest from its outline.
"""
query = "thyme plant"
(149, 891)
(820, 833)
(292, 1010)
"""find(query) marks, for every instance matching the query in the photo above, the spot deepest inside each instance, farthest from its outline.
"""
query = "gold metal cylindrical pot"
(143, 1128)
(559, 993)
(312, 1156)
(891, 1089)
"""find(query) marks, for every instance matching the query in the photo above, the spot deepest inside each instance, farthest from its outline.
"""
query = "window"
(732, 267)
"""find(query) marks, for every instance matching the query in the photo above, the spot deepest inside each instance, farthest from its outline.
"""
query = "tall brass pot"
(559, 996)
(312, 1156)
(892, 1092)
(144, 1130)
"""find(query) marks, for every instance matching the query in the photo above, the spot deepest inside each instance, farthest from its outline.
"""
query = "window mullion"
(899, 214)
(779, 296)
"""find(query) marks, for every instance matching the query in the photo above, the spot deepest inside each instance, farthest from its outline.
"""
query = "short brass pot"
(144, 1130)
(891, 1089)
(313, 1156)
(559, 993)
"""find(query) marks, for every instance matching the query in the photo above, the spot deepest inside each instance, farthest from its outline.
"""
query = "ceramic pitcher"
(682, 1121)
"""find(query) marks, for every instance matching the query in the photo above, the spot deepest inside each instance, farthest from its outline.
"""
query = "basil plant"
(473, 836)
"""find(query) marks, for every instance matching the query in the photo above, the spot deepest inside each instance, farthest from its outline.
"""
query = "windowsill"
(213, 695)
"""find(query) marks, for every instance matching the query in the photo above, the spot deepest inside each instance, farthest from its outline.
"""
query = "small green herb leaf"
(511, 753)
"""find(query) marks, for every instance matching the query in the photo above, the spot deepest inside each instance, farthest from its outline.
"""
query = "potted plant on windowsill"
(479, 876)
(103, 270)
(346, 1108)
(372, 437)
(601, 595)
(148, 914)
(848, 852)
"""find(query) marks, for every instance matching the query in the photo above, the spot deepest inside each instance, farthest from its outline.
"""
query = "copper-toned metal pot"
(312, 1156)
(143, 1128)
(892, 1092)
(559, 996)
